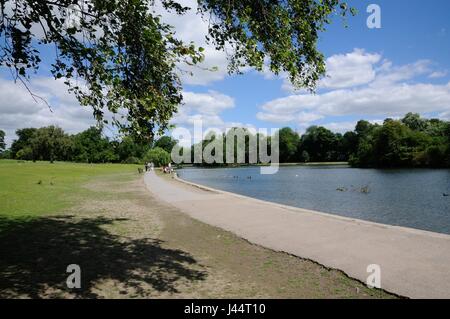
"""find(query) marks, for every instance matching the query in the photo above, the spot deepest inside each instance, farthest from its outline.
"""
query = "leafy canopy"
(119, 55)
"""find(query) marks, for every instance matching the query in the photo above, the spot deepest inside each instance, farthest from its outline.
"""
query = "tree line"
(409, 142)
(51, 143)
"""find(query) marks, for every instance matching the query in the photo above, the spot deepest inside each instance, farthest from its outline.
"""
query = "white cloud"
(349, 70)
(389, 75)
(438, 74)
(18, 109)
(204, 110)
(344, 71)
(203, 106)
(192, 27)
(208, 103)
(301, 117)
(382, 90)
(274, 118)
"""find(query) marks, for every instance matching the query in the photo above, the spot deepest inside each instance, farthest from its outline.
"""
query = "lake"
(410, 198)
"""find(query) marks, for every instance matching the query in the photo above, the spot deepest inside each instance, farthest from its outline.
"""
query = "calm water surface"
(411, 198)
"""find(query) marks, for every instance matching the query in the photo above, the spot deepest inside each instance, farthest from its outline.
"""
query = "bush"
(157, 156)
(25, 154)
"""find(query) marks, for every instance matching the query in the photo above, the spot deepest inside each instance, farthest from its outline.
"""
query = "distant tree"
(129, 150)
(410, 142)
(50, 143)
(320, 143)
(166, 143)
(288, 141)
(23, 140)
(363, 127)
(363, 154)
(390, 148)
(25, 154)
(414, 122)
(349, 144)
(2, 141)
(435, 127)
(157, 156)
(91, 147)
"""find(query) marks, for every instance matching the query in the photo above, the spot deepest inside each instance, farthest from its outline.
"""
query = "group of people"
(166, 169)
(149, 167)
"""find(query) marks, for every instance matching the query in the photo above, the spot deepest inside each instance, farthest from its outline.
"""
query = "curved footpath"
(413, 263)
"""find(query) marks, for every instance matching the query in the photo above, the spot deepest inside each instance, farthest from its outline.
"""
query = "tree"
(320, 143)
(157, 156)
(2, 141)
(288, 141)
(130, 151)
(127, 58)
(349, 144)
(25, 153)
(166, 143)
(414, 122)
(50, 144)
(389, 147)
(24, 136)
(91, 147)
(363, 127)
(411, 142)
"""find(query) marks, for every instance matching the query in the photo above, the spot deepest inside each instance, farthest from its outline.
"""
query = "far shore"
(259, 165)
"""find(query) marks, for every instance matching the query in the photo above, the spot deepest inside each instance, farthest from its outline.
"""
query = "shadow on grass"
(35, 253)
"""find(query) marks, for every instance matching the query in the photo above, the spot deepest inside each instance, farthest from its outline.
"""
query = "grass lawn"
(30, 189)
(131, 245)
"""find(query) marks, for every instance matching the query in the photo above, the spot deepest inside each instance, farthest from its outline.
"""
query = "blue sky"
(372, 74)
(411, 31)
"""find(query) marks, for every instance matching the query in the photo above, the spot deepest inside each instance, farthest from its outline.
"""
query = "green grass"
(30, 189)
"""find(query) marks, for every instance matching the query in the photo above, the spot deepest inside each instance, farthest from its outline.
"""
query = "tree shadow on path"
(35, 253)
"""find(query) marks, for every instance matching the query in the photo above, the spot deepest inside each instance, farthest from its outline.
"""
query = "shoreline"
(259, 165)
(337, 242)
